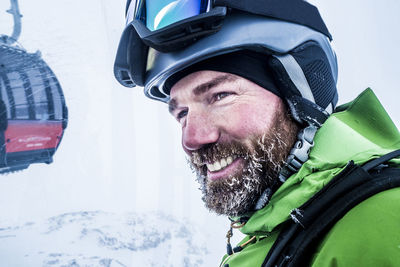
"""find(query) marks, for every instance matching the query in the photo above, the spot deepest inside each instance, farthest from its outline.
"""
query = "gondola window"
(20, 97)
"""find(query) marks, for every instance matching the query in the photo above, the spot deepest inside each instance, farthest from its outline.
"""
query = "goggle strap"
(306, 14)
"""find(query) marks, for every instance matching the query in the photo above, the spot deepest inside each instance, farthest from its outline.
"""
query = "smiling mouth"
(224, 167)
(220, 164)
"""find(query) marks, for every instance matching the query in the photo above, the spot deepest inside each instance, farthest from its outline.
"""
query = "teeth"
(217, 165)
(210, 167)
(223, 163)
(220, 164)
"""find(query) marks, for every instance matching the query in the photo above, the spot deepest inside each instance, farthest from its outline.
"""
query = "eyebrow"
(204, 87)
(172, 104)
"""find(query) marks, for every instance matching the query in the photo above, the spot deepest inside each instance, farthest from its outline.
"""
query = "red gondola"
(33, 113)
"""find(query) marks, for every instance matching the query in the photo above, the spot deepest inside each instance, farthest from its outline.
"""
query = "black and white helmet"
(164, 37)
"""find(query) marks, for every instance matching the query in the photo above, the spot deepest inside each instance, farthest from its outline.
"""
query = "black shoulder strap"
(299, 237)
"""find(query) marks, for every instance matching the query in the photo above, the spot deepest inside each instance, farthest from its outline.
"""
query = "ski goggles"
(168, 25)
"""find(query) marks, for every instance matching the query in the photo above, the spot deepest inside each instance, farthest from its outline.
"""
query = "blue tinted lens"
(161, 13)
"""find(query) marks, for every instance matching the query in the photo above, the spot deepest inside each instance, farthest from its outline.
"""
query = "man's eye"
(219, 96)
(181, 114)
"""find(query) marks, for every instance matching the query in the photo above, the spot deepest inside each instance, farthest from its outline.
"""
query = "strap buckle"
(299, 153)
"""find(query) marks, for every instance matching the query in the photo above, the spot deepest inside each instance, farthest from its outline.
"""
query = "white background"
(121, 152)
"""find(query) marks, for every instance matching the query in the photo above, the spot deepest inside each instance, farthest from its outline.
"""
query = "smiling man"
(253, 86)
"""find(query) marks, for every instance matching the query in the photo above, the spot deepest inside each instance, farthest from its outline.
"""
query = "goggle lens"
(157, 14)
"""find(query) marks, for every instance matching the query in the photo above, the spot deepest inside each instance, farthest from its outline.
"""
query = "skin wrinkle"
(249, 123)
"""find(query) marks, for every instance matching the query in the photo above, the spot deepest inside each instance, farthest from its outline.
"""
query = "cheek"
(246, 120)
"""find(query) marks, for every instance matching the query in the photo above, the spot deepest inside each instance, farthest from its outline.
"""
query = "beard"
(238, 193)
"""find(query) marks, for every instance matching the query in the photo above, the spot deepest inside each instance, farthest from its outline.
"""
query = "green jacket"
(369, 234)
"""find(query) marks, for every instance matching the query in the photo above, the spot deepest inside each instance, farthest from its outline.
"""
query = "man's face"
(236, 134)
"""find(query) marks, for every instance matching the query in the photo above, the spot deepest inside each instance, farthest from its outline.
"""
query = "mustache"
(267, 150)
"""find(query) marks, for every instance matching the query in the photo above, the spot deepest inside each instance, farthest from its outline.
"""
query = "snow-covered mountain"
(96, 238)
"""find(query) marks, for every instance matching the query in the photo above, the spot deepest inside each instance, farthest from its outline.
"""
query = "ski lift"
(33, 113)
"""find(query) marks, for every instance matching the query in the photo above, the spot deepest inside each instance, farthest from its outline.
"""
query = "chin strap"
(299, 153)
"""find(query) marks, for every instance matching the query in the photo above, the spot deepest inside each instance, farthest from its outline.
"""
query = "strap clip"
(299, 153)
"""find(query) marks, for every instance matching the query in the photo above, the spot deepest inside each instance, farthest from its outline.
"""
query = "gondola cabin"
(33, 114)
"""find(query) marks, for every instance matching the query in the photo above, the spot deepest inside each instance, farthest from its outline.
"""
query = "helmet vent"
(320, 79)
(125, 78)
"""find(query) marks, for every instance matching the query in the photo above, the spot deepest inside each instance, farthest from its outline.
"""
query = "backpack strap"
(385, 158)
(298, 238)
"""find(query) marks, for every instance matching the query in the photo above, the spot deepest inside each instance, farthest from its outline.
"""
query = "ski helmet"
(165, 37)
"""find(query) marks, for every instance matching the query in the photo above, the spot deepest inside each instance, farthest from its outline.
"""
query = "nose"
(198, 131)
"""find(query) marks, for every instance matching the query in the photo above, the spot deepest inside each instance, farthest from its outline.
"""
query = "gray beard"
(237, 194)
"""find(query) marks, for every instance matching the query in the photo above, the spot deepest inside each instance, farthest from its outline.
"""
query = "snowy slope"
(96, 238)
